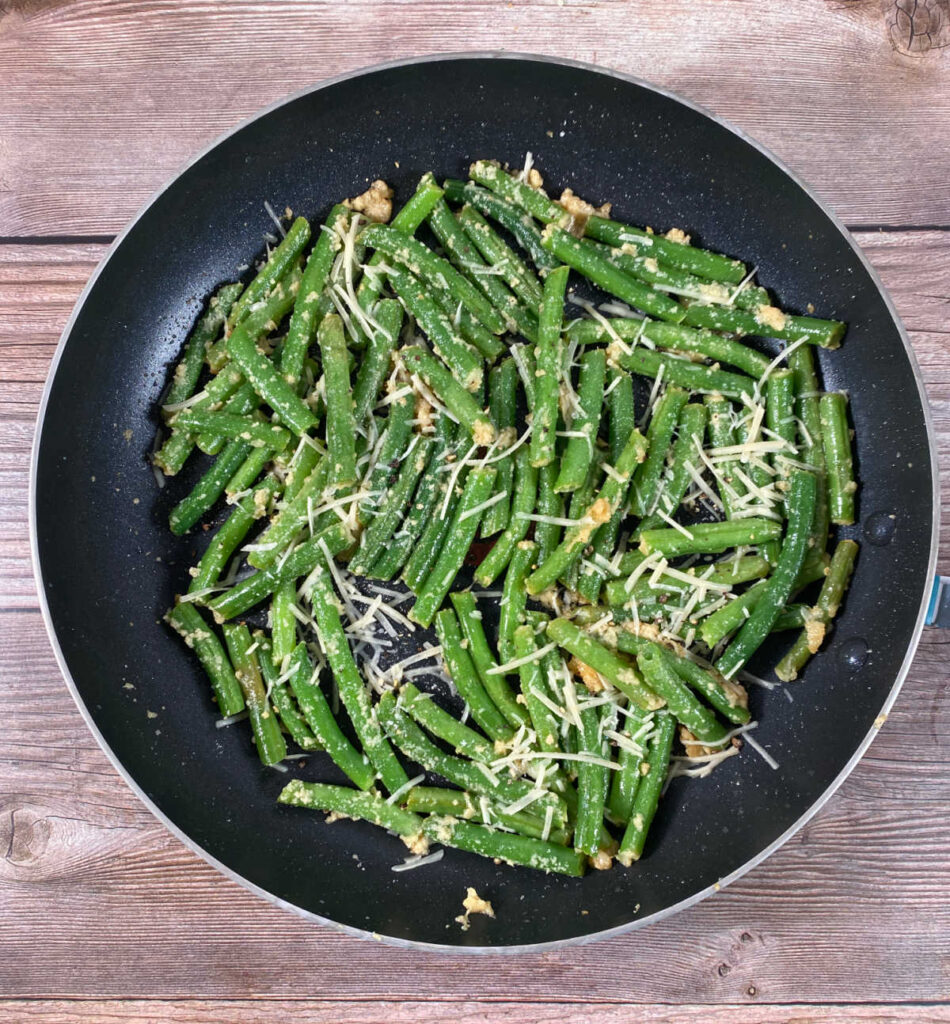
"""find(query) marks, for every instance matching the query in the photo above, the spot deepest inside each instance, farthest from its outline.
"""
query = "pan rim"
(578, 940)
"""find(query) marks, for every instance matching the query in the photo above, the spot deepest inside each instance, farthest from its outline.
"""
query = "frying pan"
(109, 567)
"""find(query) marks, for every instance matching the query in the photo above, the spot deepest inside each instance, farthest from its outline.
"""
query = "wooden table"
(105, 916)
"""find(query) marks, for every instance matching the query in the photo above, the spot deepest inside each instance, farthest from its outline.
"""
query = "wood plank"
(854, 99)
(264, 1011)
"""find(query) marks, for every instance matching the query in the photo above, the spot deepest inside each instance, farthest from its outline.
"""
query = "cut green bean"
(280, 261)
(645, 486)
(826, 608)
(550, 504)
(465, 741)
(391, 453)
(375, 362)
(544, 409)
(768, 322)
(592, 784)
(315, 708)
(614, 668)
(680, 701)
(282, 698)
(709, 538)
(502, 404)
(673, 487)
(505, 846)
(257, 433)
(351, 803)
(522, 506)
(800, 510)
(283, 622)
(292, 515)
(186, 620)
(586, 422)
(302, 561)
(648, 792)
(341, 424)
(271, 747)
(519, 277)
(514, 598)
(687, 374)
(352, 688)
(462, 532)
(208, 489)
(495, 683)
(836, 439)
(469, 807)
(626, 779)
(599, 511)
(461, 671)
(460, 403)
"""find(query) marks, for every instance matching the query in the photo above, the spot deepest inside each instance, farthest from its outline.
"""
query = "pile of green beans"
(420, 402)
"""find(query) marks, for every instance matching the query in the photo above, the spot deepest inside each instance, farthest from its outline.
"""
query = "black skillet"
(109, 567)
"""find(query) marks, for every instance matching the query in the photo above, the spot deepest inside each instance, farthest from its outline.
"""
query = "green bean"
(687, 374)
(230, 534)
(465, 741)
(283, 623)
(551, 504)
(392, 451)
(188, 369)
(702, 262)
(316, 710)
(590, 396)
(680, 282)
(519, 277)
(257, 433)
(544, 409)
(709, 538)
(608, 276)
(186, 620)
(780, 405)
(648, 792)
(413, 742)
(722, 434)
(351, 803)
(429, 546)
(280, 261)
(811, 450)
(502, 404)
(208, 489)
(243, 402)
(465, 255)
(304, 558)
(514, 598)
(455, 804)
(291, 517)
(522, 506)
(505, 846)
(495, 683)
(826, 608)
(340, 425)
(375, 362)
(462, 672)
(792, 616)
(731, 616)
(462, 359)
(462, 532)
(266, 381)
(424, 503)
(519, 226)
(434, 271)
(680, 701)
(620, 422)
(543, 720)
(728, 698)
(248, 472)
(672, 489)
(836, 438)
(592, 784)
(350, 683)
(461, 404)
(800, 510)
(626, 779)
(615, 669)
(717, 347)
(380, 531)
(305, 318)
(268, 738)
(283, 699)
(768, 322)
(611, 495)
(301, 464)
(407, 220)
(646, 482)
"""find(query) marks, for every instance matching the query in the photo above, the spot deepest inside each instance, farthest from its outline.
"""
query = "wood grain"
(265, 1011)
(853, 910)
(851, 93)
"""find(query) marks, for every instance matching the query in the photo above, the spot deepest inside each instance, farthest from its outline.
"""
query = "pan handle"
(938, 611)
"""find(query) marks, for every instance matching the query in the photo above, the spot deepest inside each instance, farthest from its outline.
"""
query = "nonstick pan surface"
(108, 566)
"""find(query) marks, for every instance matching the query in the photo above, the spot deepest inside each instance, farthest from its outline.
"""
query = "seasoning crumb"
(151, 714)
(127, 434)
(473, 904)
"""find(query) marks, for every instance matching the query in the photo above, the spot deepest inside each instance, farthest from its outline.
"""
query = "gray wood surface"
(106, 917)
